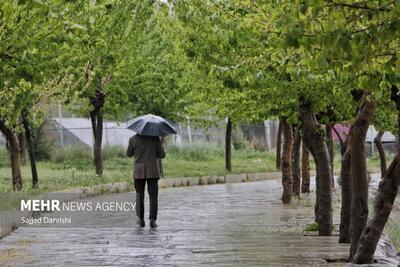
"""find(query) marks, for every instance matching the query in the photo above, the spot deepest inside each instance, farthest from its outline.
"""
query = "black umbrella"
(152, 125)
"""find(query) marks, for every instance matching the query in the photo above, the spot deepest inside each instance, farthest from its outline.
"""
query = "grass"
(73, 166)
(373, 162)
(312, 227)
(393, 231)
(53, 176)
(192, 162)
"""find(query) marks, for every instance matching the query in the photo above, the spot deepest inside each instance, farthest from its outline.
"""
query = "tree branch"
(338, 135)
(363, 6)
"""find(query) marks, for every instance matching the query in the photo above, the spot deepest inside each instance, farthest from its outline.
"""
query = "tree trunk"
(296, 173)
(329, 142)
(384, 200)
(305, 169)
(381, 151)
(279, 146)
(343, 144)
(287, 178)
(12, 140)
(386, 195)
(96, 116)
(31, 148)
(228, 146)
(359, 198)
(317, 199)
(97, 122)
(314, 138)
(345, 212)
(22, 151)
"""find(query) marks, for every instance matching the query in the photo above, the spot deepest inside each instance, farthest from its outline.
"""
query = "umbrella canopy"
(152, 125)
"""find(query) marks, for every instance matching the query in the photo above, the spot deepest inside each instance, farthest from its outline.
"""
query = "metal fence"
(78, 131)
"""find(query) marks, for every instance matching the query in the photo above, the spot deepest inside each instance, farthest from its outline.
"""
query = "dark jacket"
(146, 151)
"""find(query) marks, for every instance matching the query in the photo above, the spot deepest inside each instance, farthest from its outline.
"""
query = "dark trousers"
(152, 189)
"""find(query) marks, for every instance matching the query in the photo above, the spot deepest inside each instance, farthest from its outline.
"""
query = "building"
(78, 131)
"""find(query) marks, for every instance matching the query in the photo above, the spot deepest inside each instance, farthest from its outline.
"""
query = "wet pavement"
(241, 224)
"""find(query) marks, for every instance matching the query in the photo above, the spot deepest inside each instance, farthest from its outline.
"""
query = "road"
(241, 224)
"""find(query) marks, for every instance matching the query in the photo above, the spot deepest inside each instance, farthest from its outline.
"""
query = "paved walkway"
(241, 224)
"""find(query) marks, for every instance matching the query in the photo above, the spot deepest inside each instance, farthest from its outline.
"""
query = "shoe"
(141, 222)
(153, 224)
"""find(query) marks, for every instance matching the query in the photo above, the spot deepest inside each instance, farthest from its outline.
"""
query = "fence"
(263, 136)
(78, 131)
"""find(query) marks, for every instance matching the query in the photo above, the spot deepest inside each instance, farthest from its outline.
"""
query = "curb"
(225, 179)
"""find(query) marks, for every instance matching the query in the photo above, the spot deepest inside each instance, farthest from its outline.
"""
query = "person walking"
(147, 149)
(147, 152)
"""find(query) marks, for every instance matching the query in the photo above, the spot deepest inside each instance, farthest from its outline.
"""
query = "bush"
(79, 157)
(312, 227)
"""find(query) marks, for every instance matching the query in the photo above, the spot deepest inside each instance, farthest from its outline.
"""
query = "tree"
(6, 98)
(319, 52)
(315, 141)
(384, 120)
(278, 147)
(32, 32)
(31, 149)
(219, 82)
(228, 146)
(329, 141)
(52, 87)
(156, 68)
(305, 169)
(296, 161)
(98, 55)
(359, 201)
(382, 208)
(381, 152)
(350, 40)
(345, 211)
(387, 192)
(257, 69)
(286, 162)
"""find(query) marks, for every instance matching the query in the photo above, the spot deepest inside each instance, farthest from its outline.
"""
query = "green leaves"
(31, 36)
(268, 54)
(247, 60)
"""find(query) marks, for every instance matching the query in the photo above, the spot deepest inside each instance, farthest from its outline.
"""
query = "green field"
(73, 167)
